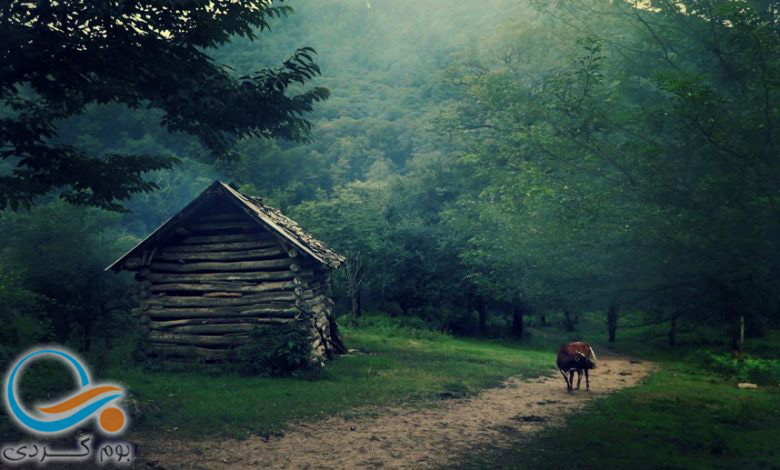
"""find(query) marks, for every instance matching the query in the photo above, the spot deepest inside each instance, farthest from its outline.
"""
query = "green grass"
(395, 366)
(689, 415)
(679, 418)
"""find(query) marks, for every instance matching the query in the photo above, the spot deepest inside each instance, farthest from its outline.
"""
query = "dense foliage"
(480, 167)
(56, 59)
(275, 351)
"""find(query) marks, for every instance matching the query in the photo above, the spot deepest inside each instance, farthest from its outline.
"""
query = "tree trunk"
(612, 320)
(357, 307)
(673, 331)
(738, 337)
(741, 334)
(518, 314)
(482, 312)
(355, 276)
(405, 308)
(335, 336)
(569, 320)
(542, 320)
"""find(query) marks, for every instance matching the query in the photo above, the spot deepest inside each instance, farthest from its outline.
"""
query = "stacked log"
(203, 292)
(312, 295)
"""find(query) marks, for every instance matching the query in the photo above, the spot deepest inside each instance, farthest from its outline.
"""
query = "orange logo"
(86, 402)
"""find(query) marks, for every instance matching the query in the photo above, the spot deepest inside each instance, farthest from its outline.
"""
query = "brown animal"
(576, 356)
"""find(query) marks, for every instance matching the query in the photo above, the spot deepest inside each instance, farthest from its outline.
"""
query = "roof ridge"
(272, 218)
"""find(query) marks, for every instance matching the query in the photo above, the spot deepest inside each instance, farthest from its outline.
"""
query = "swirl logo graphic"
(89, 400)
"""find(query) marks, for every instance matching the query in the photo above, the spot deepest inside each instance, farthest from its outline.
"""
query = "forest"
(501, 174)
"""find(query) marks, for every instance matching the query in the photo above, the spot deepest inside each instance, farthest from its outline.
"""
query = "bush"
(398, 327)
(275, 351)
(21, 313)
(747, 369)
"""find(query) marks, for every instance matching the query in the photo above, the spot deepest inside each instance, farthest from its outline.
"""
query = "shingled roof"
(268, 217)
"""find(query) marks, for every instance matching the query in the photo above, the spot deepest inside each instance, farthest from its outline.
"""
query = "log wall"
(202, 293)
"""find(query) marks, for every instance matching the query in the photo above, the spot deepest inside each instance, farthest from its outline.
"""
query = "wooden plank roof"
(268, 217)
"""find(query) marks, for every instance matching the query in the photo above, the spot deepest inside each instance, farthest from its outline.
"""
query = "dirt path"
(405, 437)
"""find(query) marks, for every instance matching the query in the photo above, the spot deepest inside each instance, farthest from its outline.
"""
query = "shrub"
(747, 369)
(275, 351)
(21, 313)
(399, 327)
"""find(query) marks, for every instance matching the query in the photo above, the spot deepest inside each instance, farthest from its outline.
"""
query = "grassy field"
(679, 418)
(689, 415)
(395, 365)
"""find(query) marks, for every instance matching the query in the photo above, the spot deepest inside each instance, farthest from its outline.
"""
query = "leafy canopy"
(57, 58)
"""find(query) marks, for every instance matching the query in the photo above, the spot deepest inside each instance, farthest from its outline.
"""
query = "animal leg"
(571, 379)
(565, 379)
(587, 381)
(579, 378)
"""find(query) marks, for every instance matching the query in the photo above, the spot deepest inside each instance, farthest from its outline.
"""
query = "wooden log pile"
(203, 291)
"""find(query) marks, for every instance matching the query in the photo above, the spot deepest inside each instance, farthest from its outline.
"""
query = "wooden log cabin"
(223, 265)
